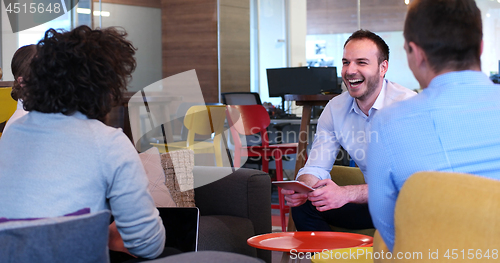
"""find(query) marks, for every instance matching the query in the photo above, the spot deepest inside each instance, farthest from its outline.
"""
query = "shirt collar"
(379, 102)
(457, 79)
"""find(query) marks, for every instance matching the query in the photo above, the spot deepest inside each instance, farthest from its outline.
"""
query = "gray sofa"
(233, 207)
(207, 257)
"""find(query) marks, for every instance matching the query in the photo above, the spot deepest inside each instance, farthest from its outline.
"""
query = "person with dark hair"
(20, 66)
(60, 158)
(345, 122)
(452, 125)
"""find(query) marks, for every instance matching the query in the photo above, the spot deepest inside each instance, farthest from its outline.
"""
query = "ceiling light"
(102, 13)
(85, 11)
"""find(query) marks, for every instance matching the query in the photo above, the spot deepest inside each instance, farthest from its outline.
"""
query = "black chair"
(241, 98)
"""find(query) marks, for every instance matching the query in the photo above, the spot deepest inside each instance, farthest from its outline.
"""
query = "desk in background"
(126, 115)
(279, 124)
(292, 121)
(307, 102)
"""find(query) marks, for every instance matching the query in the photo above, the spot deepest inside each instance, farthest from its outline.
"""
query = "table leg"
(285, 258)
(126, 123)
(135, 124)
(301, 152)
(303, 137)
(163, 114)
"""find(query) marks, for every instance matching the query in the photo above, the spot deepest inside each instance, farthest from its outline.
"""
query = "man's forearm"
(308, 179)
(357, 194)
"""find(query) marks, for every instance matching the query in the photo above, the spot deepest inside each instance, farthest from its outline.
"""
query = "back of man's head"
(449, 32)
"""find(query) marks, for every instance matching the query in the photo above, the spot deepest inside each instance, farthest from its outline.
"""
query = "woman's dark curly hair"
(20, 66)
(82, 70)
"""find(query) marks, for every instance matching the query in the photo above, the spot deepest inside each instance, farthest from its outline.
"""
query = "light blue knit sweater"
(52, 164)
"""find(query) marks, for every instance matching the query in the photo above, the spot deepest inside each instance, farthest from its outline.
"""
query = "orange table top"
(306, 241)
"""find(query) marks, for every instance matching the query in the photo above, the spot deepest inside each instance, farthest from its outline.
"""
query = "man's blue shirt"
(452, 126)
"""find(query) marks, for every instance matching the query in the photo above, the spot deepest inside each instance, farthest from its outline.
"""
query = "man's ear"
(19, 80)
(417, 53)
(384, 66)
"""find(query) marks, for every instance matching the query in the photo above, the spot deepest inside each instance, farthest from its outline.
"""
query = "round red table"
(308, 242)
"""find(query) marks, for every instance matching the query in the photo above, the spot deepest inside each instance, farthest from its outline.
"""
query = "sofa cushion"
(178, 168)
(82, 238)
(226, 233)
(82, 211)
(154, 170)
(208, 257)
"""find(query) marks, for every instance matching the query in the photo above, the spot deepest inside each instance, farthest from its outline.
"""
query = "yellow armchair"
(442, 217)
(7, 105)
(448, 217)
(345, 175)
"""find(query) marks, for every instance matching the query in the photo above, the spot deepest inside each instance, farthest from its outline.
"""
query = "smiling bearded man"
(345, 122)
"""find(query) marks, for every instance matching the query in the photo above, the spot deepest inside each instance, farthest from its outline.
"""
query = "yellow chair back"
(7, 105)
(203, 120)
(448, 217)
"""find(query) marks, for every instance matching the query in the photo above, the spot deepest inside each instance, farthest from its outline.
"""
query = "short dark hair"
(449, 32)
(81, 70)
(20, 66)
(383, 49)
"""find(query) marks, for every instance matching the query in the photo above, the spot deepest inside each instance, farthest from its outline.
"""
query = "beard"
(372, 83)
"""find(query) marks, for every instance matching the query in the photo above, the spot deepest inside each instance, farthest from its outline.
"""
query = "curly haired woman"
(60, 158)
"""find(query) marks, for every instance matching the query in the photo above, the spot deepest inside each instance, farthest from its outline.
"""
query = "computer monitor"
(302, 81)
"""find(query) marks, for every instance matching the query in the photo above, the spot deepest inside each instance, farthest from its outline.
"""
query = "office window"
(269, 49)
(68, 21)
(490, 12)
(143, 26)
(331, 22)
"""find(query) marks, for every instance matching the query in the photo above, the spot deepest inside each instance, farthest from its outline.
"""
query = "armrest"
(344, 175)
(379, 246)
(245, 193)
